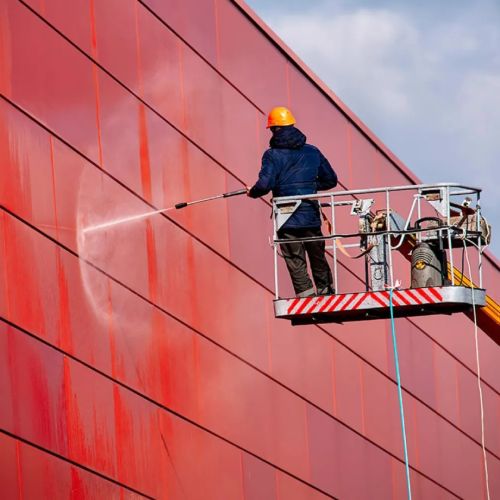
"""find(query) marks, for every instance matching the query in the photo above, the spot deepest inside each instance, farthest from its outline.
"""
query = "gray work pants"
(295, 258)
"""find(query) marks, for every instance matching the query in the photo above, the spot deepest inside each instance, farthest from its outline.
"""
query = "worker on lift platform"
(291, 167)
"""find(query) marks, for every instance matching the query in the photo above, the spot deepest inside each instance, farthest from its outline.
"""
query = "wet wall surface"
(144, 360)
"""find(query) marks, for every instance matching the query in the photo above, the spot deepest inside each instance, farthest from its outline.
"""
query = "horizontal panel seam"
(159, 405)
(208, 430)
(73, 462)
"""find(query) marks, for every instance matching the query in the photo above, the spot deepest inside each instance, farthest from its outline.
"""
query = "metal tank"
(426, 266)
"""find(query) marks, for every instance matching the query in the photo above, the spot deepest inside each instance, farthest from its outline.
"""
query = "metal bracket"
(438, 198)
(283, 210)
(361, 207)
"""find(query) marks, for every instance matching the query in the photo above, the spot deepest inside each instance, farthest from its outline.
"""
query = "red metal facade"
(145, 360)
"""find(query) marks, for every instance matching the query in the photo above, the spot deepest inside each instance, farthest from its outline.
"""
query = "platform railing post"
(448, 231)
(479, 245)
(389, 245)
(419, 214)
(334, 253)
(275, 247)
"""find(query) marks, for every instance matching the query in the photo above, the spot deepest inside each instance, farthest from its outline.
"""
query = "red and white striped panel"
(362, 300)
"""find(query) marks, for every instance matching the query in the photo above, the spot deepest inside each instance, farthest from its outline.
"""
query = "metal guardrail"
(440, 197)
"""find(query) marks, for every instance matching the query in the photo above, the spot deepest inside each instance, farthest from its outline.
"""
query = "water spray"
(178, 206)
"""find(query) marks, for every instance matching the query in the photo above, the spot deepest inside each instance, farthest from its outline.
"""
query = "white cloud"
(477, 123)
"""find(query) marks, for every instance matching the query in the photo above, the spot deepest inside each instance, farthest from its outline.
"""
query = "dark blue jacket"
(291, 167)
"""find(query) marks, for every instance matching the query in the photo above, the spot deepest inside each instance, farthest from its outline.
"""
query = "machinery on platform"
(442, 220)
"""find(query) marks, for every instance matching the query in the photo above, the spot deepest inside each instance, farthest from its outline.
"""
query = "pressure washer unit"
(437, 287)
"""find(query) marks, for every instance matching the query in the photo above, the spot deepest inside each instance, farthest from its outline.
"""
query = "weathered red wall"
(145, 360)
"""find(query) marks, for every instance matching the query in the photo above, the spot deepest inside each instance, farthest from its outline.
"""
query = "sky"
(423, 76)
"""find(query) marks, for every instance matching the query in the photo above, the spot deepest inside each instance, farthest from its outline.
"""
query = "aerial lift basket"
(427, 242)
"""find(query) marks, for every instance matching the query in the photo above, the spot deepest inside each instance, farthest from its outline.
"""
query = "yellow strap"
(345, 252)
(339, 244)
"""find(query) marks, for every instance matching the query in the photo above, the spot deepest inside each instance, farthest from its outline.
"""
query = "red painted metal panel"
(213, 112)
(188, 174)
(241, 150)
(4, 303)
(470, 419)
(26, 190)
(259, 481)
(203, 103)
(494, 477)
(462, 467)
(242, 49)
(253, 231)
(416, 358)
(347, 460)
(198, 465)
(286, 487)
(116, 42)
(362, 162)
(28, 472)
(446, 380)
(10, 481)
(45, 476)
(491, 282)
(491, 419)
(369, 343)
(347, 375)
(456, 334)
(194, 21)
(103, 416)
(48, 90)
(312, 356)
(421, 487)
(83, 331)
(160, 67)
(120, 133)
(322, 438)
(381, 422)
(324, 125)
(212, 289)
(25, 298)
(489, 358)
(36, 388)
(72, 18)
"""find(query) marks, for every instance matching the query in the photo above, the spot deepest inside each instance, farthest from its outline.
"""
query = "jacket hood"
(287, 138)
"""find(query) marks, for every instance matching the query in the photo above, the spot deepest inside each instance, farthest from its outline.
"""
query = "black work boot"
(327, 290)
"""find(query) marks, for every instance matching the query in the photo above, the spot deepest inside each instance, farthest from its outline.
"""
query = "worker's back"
(290, 167)
(299, 169)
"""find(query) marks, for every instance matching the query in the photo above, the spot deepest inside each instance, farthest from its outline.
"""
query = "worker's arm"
(327, 178)
(267, 177)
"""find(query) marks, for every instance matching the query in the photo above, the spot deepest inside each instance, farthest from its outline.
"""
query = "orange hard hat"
(280, 117)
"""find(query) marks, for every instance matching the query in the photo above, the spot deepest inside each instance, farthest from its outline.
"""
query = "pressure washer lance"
(216, 197)
(154, 212)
